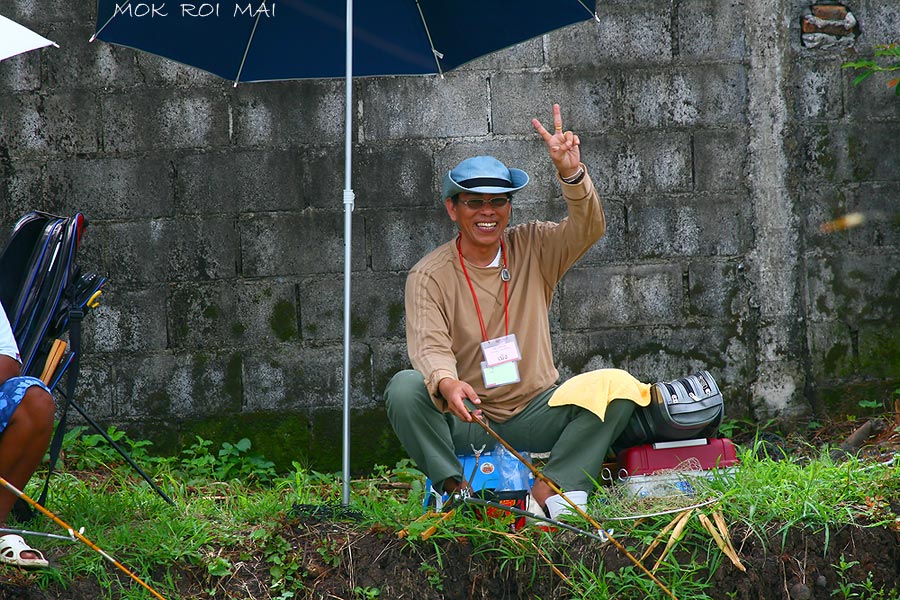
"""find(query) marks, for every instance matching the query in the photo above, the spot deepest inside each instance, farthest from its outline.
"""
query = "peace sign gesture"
(563, 146)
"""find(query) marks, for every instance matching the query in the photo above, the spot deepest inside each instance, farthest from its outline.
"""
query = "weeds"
(232, 513)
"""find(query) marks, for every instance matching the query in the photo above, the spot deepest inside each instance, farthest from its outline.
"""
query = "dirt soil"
(358, 561)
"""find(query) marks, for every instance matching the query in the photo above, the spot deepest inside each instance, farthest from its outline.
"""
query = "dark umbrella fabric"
(299, 39)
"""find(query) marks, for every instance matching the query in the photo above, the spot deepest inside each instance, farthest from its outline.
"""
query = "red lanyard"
(462, 263)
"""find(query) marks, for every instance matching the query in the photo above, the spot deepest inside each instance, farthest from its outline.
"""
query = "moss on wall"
(283, 320)
(314, 440)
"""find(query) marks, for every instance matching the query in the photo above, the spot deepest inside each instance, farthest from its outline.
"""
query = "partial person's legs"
(576, 438)
(430, 437)
(22, 446)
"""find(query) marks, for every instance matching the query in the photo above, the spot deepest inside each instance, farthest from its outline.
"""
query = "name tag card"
(501, 350)
(498, 375)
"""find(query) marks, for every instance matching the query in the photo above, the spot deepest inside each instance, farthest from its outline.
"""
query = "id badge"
(501, 350)
(502, 374)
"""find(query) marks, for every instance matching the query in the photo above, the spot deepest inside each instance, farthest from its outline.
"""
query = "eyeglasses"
(478, 203)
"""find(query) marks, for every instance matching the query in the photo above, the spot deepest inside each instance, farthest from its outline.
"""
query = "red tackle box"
(712, 453)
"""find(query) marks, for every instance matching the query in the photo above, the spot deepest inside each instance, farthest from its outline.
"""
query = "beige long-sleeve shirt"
(442, 330)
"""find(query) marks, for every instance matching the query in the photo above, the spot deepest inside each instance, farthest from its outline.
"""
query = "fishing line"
(77, 534)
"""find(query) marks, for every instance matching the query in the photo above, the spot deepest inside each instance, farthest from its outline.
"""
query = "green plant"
(434, 575)
(232, 461)
(862, 590)
(869, 67)
(330, 551)
(367, 593)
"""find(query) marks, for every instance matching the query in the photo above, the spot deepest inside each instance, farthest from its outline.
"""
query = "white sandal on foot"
(11, 548)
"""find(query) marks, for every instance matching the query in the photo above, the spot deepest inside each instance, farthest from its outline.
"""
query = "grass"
(230, 506)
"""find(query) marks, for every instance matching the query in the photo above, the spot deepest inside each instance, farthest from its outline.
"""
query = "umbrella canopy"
(16, 39)
(243, 40)
(265, 40)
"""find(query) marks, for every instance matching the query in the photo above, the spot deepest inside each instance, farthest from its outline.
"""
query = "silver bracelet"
(578, 176)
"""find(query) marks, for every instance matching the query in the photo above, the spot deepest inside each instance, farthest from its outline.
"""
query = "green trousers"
(576, 438)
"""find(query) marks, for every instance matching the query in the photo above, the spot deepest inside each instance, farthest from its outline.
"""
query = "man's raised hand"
(563, 145)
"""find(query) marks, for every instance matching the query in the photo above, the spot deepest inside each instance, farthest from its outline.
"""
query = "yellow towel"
(594, 390)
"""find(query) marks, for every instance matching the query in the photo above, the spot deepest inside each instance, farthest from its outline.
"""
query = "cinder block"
(819, 204)
(292, 377)
(879, 349)
(242, 181)
(231, 314)
(18, 74)
(182, 249)
(615, 296)
(654, 353)
(710, 29)
(641, 163)
(587, 98)
(697, 225)
(879, 203)
(819, 91)
(284, 114)
(127, 320)
(627, 34)
(853, 287)
(113, 188)
(63, 123)
(711, 95)
(22, 189)
(53, 11)
(454, 106)
(164, 120)
(611, 248)
(823, 154)
(879, 23)
(715, 289)
(830, 350)
(274, 244)
(720, 159)
(376, 306)
(873, 151)
(388, 358)
(410, 235)
(181, 385)
(390, 175)
(98, 388)
(371, 441)
(526, 55)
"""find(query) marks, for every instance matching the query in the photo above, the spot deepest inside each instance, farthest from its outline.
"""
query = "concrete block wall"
(718, 141)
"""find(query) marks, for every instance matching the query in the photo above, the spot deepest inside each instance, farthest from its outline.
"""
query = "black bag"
(686, 408)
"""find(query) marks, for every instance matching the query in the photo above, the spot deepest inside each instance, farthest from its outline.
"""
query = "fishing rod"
(601, 536)
(77, 534)
(539, 475)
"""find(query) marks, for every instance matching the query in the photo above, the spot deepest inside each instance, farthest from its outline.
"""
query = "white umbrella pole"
(348, 210)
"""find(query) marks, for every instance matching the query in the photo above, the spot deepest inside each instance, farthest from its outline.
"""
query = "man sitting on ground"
(478, 330)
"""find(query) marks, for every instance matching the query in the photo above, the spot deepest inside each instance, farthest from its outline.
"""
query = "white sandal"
(11, 548)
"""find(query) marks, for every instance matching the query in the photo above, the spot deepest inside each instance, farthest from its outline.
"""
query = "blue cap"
(483, 175)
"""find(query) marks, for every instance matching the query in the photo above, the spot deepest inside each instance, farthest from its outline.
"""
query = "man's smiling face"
(480, 226)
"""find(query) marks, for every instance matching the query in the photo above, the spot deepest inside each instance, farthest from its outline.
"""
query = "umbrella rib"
(108, 21)
(246, 51)
(593, 13)
(437, 55)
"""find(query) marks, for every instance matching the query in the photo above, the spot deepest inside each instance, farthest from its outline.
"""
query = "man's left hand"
(563, 145)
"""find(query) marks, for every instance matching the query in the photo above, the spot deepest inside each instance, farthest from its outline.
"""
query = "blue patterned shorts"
(11, 393)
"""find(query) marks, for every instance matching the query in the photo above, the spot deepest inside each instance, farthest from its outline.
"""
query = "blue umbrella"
(256, 40)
